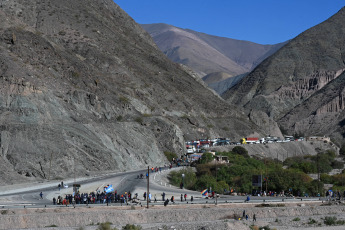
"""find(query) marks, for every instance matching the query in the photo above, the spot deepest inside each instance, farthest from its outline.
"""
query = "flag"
(204, 192)
(109, 189)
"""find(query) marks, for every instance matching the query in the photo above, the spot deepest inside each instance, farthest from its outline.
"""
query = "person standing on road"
(41, 195)
(54, 201)
(181, 197)
(185, 197)
(254, 217)
(144, 195)
(166, 202)
(163, 196)
(244, 213)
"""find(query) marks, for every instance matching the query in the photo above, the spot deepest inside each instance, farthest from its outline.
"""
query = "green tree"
(189, 180)
(205, 181)
(206, 158)
(241, 151)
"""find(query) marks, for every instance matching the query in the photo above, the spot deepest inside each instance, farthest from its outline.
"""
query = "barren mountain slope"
(207, 54)
(296, 72)
(321, 114)
(85, 89)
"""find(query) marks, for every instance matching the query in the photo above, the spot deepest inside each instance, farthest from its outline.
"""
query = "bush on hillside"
(241, 151)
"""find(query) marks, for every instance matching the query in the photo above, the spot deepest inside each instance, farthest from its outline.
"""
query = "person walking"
(41, 195)
(163, 196)
(181, 197)
(144, 195)
(185, 197)
(254, 217)
(248, 199)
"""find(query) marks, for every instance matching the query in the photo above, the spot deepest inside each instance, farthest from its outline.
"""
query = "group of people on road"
(94, 198)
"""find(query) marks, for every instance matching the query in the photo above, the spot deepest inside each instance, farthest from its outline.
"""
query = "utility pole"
(74, 169)
(266, 174)
(148, 184)
(50, 164)
(216, 180)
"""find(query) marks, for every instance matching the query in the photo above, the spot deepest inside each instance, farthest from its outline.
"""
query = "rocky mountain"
(209, 56)
(301, 85)
(85, 89)
(223, 84)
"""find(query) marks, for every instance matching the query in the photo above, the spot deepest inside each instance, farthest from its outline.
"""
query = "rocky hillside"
(301, 86)
(84, 89)
(209, 55)
(222, 85)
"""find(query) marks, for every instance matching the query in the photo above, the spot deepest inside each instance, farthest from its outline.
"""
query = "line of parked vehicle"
(199, 145)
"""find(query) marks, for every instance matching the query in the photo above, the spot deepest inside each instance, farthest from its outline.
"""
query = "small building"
(222, 159)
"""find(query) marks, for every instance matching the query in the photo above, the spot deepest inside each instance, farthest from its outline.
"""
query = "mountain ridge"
(209, 54)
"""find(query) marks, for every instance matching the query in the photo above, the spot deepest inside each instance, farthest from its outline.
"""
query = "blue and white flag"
(109, 189)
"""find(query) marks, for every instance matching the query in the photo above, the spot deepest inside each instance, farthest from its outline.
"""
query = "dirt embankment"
(223, 216)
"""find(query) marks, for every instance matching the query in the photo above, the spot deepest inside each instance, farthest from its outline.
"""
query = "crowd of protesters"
(93, 198)
(104, 197)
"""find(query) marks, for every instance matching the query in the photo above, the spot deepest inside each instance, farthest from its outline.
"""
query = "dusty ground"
(222, 216)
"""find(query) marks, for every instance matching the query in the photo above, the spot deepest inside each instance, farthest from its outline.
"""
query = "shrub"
(337, 164)
(296, 219)
(340, 222)
(170, 155)
(206, 158)
(131, 227)
(312, 221)
(123, 99)
(330, 220)
(105, 226)
(241, 151)
(325, 178)
(4, 212)
(139, 119)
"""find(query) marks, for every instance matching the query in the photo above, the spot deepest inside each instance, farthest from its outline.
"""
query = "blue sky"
(263, 22)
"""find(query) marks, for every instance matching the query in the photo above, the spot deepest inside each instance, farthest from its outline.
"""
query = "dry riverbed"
(306, 215)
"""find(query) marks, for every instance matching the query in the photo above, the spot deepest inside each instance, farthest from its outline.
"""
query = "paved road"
(122, 182)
